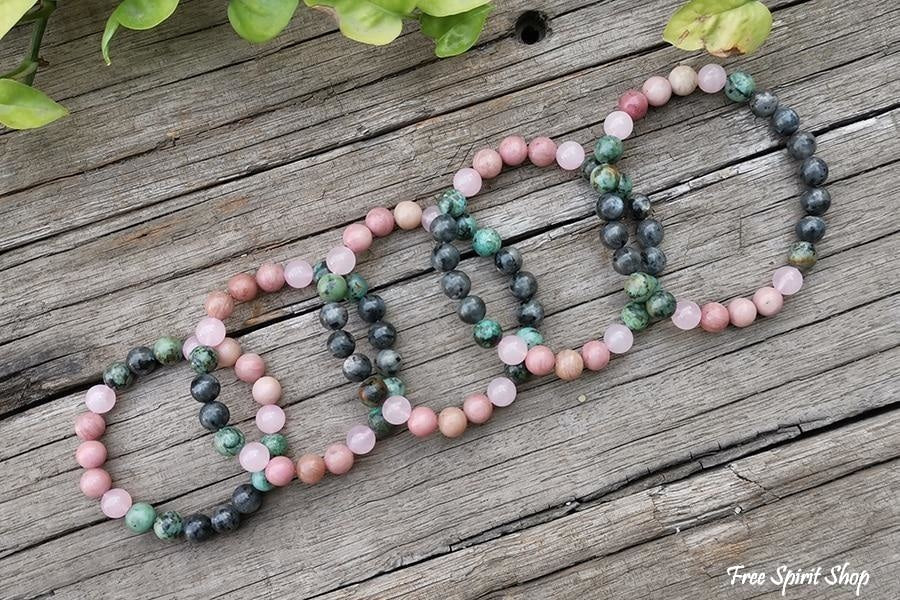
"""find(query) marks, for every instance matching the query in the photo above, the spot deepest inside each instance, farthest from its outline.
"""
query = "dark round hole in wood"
(532, 26)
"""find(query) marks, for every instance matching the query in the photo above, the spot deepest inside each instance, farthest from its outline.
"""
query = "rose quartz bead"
(658, 90)
(360, 439)
(242, 287)
(619, 124)
(467, 182)
(228, 351)
(408, 215)
(396, 410)
(266, 390)
(249, 367)
(357, 237)
(89, 426)
(478, 408)
(787, 280)
(100, 399)
(742, 312)
(219, 305)
(428, 215)
(768, 301)
(711, 78)
(254, 457)
(501, 391)
(298, 273)
(488, 163)
(338, 459)
(687, 315)
(115, 503)
(310, 469)
(542, 151)
(188, 346)
(569, 365)
(94, 483)
(540, 361)
(714, 317)
(635, 104)
(270, 277)
(270, 418)
(570, 155)
(683, 80)
(380, 221)
(513, 150)
(90, 454)
(595, 355)
(618, 338)
(210, 331)
(280, 471)
(340, 260)
(422, 421)
(512, 350)
(452, 422)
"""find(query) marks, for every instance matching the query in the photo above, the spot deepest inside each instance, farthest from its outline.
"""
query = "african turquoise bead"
(661, 305)
(204, 359)
(608, 149)
(228, 441)
(276, 443)
(168, 525)
(395, 386)
(487, 333)
(167, 350)
(452, 203)
(605, 179)
(332, 288)
(258, 481)
(739, 87)
(118, 376)
(517, 373)
(640, 286)
(357, 286)
(626, 185)
(587, 167)
(531, 336)
(486, 242)
(140, 517)
(379, 425)
(635, 316)
(466, 226)
(802, 255)
(320, 269)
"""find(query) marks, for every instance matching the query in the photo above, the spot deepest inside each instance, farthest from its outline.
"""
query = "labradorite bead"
(625, 186)
(443, 228)
(661, 305)
(214, 415)
(610, 207)
(371, 308)
(168, 525)
(486, 242)
(376, 423)
(258, 480)
(487, 333)
(395, 386)
(608, 149)
(508, 260)
(246, 498)
(357, 286)
(763, 104)
(382, 335)
(456, 284)
(388, 362)
(167, 350)
(452, 203)
(141, 361)
(332, 288)
(518, 373)
(802, 145)
(739, 86)
(587, 167)
(204, 359)
(341, 344)
(445, 257)
(205, 388)
(118, 376)
(320, 269)
(466, 226)
(653, 260)
(814, 171)
(614, 235)
(531, 336)
(639, 207)
(605, 179)
(810, 229)
(198, 528)
(471, 310)
(276, 443)
(373, 391)
(333, 316)
(626, 260)
(228, 441)
(226, 517)
(140, 517)
(357, 367)
(650, 233)
(785, 121)
(816, 201)
(635, 316)
(640, 286)
(523, 285)
(530, 314)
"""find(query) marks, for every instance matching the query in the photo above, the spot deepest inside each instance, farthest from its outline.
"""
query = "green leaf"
(23, 107)
(376, 22)
(445, 8)
(723, 27)
(259, 21)
(138, 15)
(457, 33)
(10, 13)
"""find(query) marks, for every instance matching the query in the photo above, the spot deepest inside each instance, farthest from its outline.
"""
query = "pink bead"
(467, 182)
(687, 315)
(570, 155)
(94, 483)
(249, 367)
(219, 305)
(396, 410)
(188, 346)
(635, 104)
(100, 399)
(422, 421)
(513, 150)
(254, 457)
(618, 338)
(787, 280)
(298, 273)
(683, 80)
(428, 215)
(488, 163)
(540, 361)
(357, 237)
(619, 124)
(242, 287)
(768, 301)
(270, 418)
(408, 215)
(360, 439)
(338, 459)
(714, 317)
(542, 151)
(595, 355)
(512, 350)
(711, 78)
(210, 332)
(115, 503)
(340, 260)
(89, 426)
(478, 408)
(270, 277)
(90, 454)
(228, 352)
(280, 471)
(266, 390)
(658, 90)
(742, 312)
(501, 391)
(380, 221)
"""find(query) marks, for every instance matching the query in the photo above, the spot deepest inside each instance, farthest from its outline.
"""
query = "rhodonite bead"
(595, 355)
(118, 376)
(380, 221)
(635, 316)
(587, 167)
(802, 145)
(467, 181)
(626, 260)
(89, 426)
(683, 80)
(395, 386)
(140, 517)
(508, 260)
(650, 233)
(408, 215)
(640, 286)
(371, 308)
(270, 277)
(711, 78)
(814, 171)
(763, 104)
(205, 388)
(249, 367)
(518, 373)
(443, 228)
(569, 156)
(605, 178)
(787, 280)
(501, 391)
(357, 286)
(382, 335)
(569, 365)
(90, 454)
(488, 163)
(456, 285)
(280, 471)
(542, 151)
(168, 525)
(478, 408)
(815, 201)
(657, 89)
(513, 150)
(341, 344)
(802, 255)
(618, 123)
(254, 457)
(714, 317)
(373, 391)
(276, 443)
(530, 314)
(214, 415)
(487, 333)
(298, 273)
(531, 336)
(471, 310)
(810, 229)
(229, 351)
(270, 418)
(357, 367)
(225, 518)
(115, 503)
(614, 235)
(639, 206)
(540, 360)
(332, 287)
(618, 338)
(610, 207)
(742, 312)
(445, 257)
(661, 305)
(228, 441)
(377, 423)
(219, 305)
(242, 287)
(486, 242)
(768, 301)
(258, 480)
(523, 285)
(360, 439)
(466, 226)
(198, 528)
(653, 260)
(94, 483)
(422, 421)
(511, 349)
(388, 362)
(203, 359)
(210, 332)
(634, 103)
(739, 87)
(452, 422)
(141, 361)
(246, 499)
(266, 390)
(310, 469)
(357, 238)
(100, 399)
(687, 315)
(785, 121)
(167, 350)
(333, 315)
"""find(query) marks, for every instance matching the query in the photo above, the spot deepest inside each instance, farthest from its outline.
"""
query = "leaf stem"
(37, 36)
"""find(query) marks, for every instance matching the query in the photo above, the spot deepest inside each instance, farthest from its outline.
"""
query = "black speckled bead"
(118, 376)
(471, 310)
(763, 104)
(141, 361)
(523, 285)
(320, 269)
(653, 261)
(626, 260)
(333, 316)
(204, 359)
(816, 201)
(639, 206)
(452, 203)
(341, 344)
(810, 229)
(198, 528)
(801, 145)
(518, 373)
(508, 260)
(214, 415)
(373, 391)
(785, 121)
(814, 171)
(445, 257)
(205, 388)
(487, 333)
(650, 233)
(382, 335)
(661, 304)
(357, 286)
(388, 362)
(225, 518)
(168, 525)
(371, 308)
(456, 285)
(443, 228)
(610, 207)
(167, 350)
(246, 499)
(466, 226)
(379, 425)
(587, 167)
(614, 235)
(357, 367)
(530, 314)
(802, 255)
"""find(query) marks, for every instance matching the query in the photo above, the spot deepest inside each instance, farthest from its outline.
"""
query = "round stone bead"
(487, 333)
(802, 255)
(683, 80)
(332, 287)
(225, 518)
(542, 151)
(357, 286)
(118, 376)
(569, 365)
(618, 338)
(266, 390)
(310, 469)
(377, 423)
(501, 392)
(587, 167)
(203, 359)
(618, 123)
(605, 178)
(246, 499)
(610, 207)
(477, 408)
(471, 310)
(456, 285)
(341, 344)
(626, 260)
(280, 471)
(486, 242)
(595, 355)
(513, 150)
(276, 443)
(320, 269)
(530, 314)
(508, 260)
(380, 221)
(396, 410)
(94, 483)
(270, 277)
(228, 441)
(229, 351)
(210, 331)
(768, 301)
(333, 315)
(511, 349)
(214, 415)
(444, 257)
(635, 316)
(517, 373)
(388, 362)
(373, 391)
(205, 388)
(219, 305)
(140, 517)
(625, 186)
(452, 422)
(802, 145)
(357, 367)
(531, 336)
(100, 399)
(89, 426)
(141, 361)
(270, 418)
(810, 229)
(91, 454)
(466, 226)
(298, 273)
(639, 206)
(785, 121)
(739, 87)
(242, 287)
(168, 525)
(634, 103)
(569, 156)
(198, 528)
(661, 305)
(815, 201)
(714, 317)
(371, 308)
(687, 315)
(408, 215)
(814, 171)
(653, 260)
(357, 238)
(614, 235)
(711, 78)
(395, 386)
(787, 280)
(742, 312)
(258, 480)
(167, 350)
(443, 228)
(382, 335)
(467, 181)
(360, 439)
(763, 104)
(650, 233)
(488, 163)
(523, 285)
(640, 286)
(115, 503)
(657, 89)
(188, 347)
(540, 360)
(422, 421)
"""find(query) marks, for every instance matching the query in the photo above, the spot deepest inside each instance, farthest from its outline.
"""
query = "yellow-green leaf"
(722, 27)
(455, 34)
(445, 8)
(366, 21)
(259, 21)
(23, 107)
(137, 15)
(10, 13)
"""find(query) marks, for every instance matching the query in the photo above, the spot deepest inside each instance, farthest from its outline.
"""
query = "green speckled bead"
(661, 305)
(320, 269)
(332, 288)
(739, 87)
(487, 333)
(802, 255)
(640, 286)
(276, 443)
(531, 336)
(140, 517)
(204, 359)
(466, 226)
(587, 167)
(118, 376)
(395, 386)
(376, 421)
(167, 526)
(625, 186)
(605, 179)
(452, 203)
(228, 441)
(635, 316)
(258, 480)
(608, 149)
(486, 242)
(167, 350)
(357, 286)
(517, 373)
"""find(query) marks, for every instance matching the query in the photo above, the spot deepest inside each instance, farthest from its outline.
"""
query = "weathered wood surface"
(196, 156)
